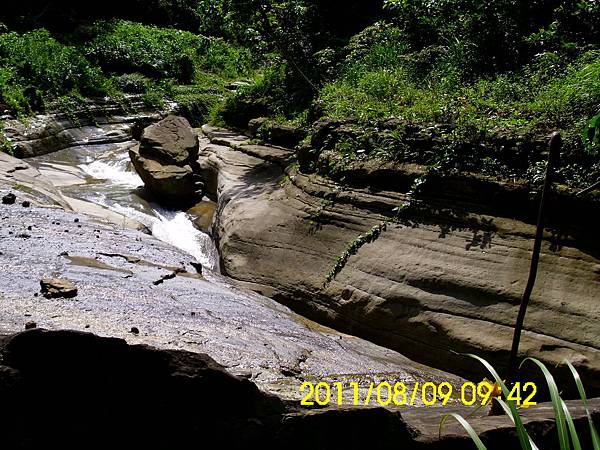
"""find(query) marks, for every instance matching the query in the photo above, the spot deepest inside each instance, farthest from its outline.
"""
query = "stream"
(104, 175)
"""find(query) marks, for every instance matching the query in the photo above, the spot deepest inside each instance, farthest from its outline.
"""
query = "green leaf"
(507, 410)
(467, 426)
(522, 434)
(581, 389)
(561, 425)
(571, 425)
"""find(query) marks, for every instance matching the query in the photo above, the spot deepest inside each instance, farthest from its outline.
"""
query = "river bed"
(116, 269)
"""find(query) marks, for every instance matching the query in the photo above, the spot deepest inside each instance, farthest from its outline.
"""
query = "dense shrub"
(128, 47)
(35, 62)
(487, 36)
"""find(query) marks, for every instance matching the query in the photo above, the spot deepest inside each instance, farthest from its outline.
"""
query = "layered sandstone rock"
(445, 281)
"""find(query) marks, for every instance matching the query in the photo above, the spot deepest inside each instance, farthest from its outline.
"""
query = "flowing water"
(104, 175)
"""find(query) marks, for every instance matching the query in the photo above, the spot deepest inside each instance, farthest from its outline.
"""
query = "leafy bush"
(128, 47)
(37, 60)
(484, 37)
(132, 83)
(278, 92)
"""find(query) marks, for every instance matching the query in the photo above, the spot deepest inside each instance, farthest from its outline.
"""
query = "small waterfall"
(173, 227)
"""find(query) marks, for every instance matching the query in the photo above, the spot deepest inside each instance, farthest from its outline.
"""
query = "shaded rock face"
(68, 389)
(165, 160)
(98, 122)
(448, 279)
(276, 133)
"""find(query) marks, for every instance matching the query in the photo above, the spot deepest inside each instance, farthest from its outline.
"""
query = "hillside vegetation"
(489, 76)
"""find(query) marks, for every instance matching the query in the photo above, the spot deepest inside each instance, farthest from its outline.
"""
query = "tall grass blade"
(561, 425)
(506, 409)
(522, 434)
(467, 426)
(571, 425)
(581, 389)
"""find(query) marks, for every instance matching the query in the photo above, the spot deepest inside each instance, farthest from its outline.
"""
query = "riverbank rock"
(141, 396)
(165, 158)
(98, 121)
(444, 280)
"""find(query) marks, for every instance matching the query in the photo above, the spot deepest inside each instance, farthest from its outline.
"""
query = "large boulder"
(165, 160)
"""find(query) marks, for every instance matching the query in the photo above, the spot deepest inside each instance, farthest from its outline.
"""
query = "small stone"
(30, 325)
(57, 288)
(76, 220)
(9, 199)
(87, 326)
(26, 204)
(134, 330)
(63, 254)
(193, 313)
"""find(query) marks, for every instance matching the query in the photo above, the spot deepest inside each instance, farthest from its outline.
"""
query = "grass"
(113, 58)
(567, 435)
(525, 102)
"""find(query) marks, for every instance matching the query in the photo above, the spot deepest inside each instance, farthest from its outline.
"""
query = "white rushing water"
(119, 180)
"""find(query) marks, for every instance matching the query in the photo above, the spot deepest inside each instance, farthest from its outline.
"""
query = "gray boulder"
(165, 160)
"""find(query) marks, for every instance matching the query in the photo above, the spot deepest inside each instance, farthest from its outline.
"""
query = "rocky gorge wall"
(444, 281)
(98, 121)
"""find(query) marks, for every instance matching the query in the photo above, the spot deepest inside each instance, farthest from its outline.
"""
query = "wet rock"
(165, 160)
(30, 325)
(58, 288)
(26, 204)
(203, 214)
(9, 199)
(134, 330)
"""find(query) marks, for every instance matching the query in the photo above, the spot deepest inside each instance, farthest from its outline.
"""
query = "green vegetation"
(568, 436)
(33, 64)
(111, 58)
(492, 77)
(370, 236)
(491, 72)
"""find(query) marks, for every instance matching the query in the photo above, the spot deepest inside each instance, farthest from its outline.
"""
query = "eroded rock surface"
(96, 122)
(444, 281)
(66, 389)
(128, 279)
